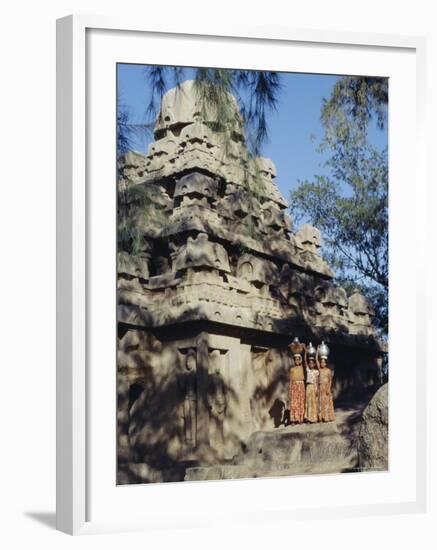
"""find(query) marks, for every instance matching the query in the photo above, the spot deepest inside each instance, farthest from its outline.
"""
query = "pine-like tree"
(350, 206)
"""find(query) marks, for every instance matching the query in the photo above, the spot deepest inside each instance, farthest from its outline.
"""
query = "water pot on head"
(323, 350)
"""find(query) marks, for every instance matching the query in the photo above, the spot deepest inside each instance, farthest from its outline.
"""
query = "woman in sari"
(312, 385)
(326, 403)
(297, 384)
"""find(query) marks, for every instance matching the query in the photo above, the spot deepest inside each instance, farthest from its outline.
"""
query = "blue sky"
(294, 129)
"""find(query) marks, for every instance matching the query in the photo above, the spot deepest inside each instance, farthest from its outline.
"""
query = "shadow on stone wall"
(152, 442)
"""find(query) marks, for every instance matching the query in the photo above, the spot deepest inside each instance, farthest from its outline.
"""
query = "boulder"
(373, 435)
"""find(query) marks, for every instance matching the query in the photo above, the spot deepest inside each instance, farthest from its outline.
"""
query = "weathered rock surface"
(373, 436)
(294, 450)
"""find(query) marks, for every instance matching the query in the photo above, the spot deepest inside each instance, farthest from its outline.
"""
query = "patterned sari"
(326, 403)
(297, 394)
(311, 396)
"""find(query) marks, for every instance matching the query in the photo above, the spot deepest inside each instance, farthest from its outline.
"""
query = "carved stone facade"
(216, 287)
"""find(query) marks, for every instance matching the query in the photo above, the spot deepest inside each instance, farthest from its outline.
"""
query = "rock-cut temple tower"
(213, 284)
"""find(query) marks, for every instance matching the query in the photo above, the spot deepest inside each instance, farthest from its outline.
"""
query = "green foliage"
(354, 102)
(129, 237)
(138, 209)
(128, 131)
(256, 93)
(350, 207)
(123, 135)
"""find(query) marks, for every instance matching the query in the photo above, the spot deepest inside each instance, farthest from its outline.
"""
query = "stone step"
(284, 445)
(294, 450)
(244, 471)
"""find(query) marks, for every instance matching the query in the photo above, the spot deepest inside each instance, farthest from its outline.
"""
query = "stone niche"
(201, 252)
(215, 289)
(195, 184)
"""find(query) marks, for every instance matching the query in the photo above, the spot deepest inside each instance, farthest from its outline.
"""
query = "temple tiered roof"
(214, 241)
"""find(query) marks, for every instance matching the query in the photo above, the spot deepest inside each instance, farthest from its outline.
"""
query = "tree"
(350, 206)
(127, 130)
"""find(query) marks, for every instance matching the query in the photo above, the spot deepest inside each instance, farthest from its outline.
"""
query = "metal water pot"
(323, 350)
(311, 350)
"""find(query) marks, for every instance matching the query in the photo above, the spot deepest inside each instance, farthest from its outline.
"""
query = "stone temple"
(213, 284)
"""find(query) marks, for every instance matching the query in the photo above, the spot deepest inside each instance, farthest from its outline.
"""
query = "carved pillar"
(218, 389)
(202, 389)
(190, 397)
(247, 388)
